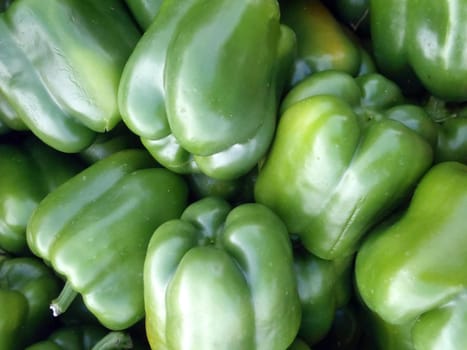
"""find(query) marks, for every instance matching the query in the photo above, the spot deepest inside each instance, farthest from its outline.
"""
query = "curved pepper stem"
(114, 341)
(60, 304)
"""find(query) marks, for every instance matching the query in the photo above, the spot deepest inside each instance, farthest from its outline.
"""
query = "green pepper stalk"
(95, 227)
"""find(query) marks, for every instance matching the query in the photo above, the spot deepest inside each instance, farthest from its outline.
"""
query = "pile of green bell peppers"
(241, 175)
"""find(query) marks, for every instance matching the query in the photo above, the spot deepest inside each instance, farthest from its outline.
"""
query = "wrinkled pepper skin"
(422, 43)
(322, 41)
(30, 170)
(101, 217)
(144, 11)
(221, 277)
(346, 153)
(60, 66)
(26, 288)
(216, 120)
(410, 271)
(323, 287)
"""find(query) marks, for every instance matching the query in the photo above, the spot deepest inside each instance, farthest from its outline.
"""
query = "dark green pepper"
(199, 92)
(347, 151)
(60, 66)
(323, 286)
(105, 144)
(30, 170)
(84, 337)
(354, 13)
(422, 44)
(221, 278)
(95, 227)
(323, 43)
(26, 288)
(410, 270)
(451, 120)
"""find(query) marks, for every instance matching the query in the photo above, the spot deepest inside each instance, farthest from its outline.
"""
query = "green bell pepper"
(84, 337)
(354, 13)
(347, 151)
(95, 227)
(60, 66)
(451, 119)
(144, 11)
(30, 170)
(410, 271)
(199, 92)
(26, 288)
(323, 286)
(221, 277)
(422, 44)
(323, 42)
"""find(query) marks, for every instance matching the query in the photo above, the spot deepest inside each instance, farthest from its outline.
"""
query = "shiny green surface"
(29, 171)
(180, 93)
(219, 277)
(26, 288)
(410, 271)
(60, 66)
(323, 287)
(102, 216)
(422, 43)
(322, 41)
(338, 165)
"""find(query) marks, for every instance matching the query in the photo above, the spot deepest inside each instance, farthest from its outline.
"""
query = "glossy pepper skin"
(221, 277)
(347, 151)
(323, 43)
(95, 227)
(422, 43)
(60, 66)
(323, 286)
(199, 92)
(30, 170)
(410, 271)
(26, 288)
(451, 121)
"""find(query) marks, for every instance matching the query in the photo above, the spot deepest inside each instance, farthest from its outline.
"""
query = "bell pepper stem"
(60, 304)
(113, 341)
